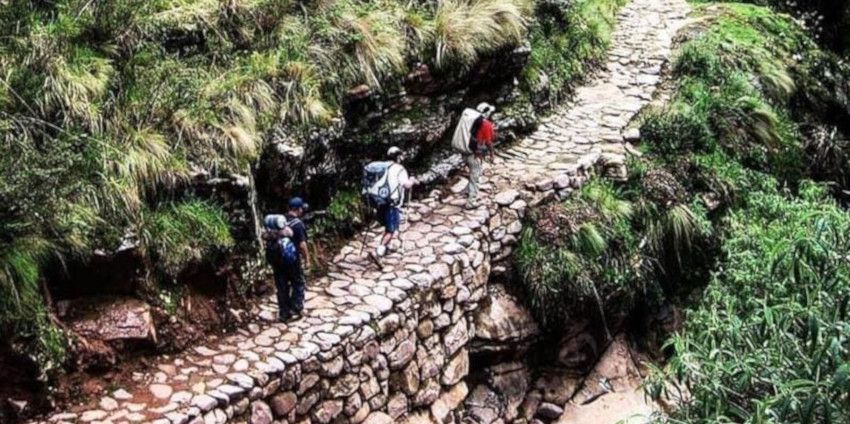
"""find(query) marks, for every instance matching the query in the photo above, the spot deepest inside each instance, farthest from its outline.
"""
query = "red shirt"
(486, 134)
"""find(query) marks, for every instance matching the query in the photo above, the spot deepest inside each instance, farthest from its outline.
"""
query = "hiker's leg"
(282, 288)
(297, 282)
(383, 215)
(474, 177)
(391, 218)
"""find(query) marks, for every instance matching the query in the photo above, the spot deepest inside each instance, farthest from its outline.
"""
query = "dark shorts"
(390, 218)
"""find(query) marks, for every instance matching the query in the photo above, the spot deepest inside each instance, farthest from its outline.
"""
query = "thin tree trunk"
(255, 212)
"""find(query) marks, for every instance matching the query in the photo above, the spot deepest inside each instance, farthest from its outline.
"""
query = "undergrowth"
(108, 109)
(766, 340)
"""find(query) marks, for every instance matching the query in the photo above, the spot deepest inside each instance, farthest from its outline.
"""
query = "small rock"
(204, 402)
(261, 413)
(505, 198)
(549, 411)
(283, 403)
(108, 404)
(632, 135)
(378, 418)
(161, 391)
(380, 302)
(122, 394)
(327, 411)
(93, 415)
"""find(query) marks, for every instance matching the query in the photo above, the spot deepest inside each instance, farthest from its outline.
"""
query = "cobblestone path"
(377, 344)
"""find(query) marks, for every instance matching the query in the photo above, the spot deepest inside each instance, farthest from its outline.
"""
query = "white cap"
(393, 152)
(485, 108)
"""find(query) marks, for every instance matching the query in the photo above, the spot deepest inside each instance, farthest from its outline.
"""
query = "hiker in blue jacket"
(286, 250)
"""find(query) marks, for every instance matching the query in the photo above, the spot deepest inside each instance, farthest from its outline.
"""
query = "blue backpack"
(280, 250)
(376, 186)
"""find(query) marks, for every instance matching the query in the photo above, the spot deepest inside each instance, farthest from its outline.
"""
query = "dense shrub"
(607, 249)
(186, 232)
(766, 340)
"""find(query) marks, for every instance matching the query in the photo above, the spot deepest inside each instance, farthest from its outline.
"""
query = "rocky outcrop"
(502, 323)
(105, 323)
(377, 343)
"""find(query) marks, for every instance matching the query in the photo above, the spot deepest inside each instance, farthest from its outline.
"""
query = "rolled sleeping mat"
(274, 222)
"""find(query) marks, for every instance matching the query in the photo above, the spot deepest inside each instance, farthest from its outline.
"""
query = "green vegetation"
(182, 233)
(721, 210)
(612, 247)
(766, 341)
(344, 214)
(108, 108)
(567, 38)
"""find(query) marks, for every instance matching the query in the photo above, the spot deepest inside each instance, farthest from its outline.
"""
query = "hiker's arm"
(303, 248)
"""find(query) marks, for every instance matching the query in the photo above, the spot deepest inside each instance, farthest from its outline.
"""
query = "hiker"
(473, 138)
(385, 185)
(286, 245)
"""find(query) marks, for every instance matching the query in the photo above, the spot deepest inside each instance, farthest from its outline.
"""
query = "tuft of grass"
(767, 337)
(376, 42)
(178, 234)
(464, 30)
(591, 266)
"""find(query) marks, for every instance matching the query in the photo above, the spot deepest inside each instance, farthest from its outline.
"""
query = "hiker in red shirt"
(484, 134)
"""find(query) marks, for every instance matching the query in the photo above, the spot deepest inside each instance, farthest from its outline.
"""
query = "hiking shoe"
(284, 317)
(295, 316)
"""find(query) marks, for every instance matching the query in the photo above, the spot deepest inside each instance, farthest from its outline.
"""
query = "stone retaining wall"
(375, 344)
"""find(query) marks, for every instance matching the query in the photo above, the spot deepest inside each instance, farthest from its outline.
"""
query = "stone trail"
(377, 344)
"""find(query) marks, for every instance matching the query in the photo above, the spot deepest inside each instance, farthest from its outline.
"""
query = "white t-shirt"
(398, 177)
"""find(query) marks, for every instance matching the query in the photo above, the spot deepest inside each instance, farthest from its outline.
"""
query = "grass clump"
(768, 341)
(181, 233)
(464, 30)
(610, 248)
(734, 86)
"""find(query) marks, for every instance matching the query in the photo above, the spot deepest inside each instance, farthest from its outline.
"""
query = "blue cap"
(297, 203)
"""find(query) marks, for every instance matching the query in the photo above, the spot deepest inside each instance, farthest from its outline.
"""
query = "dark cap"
(297, 203)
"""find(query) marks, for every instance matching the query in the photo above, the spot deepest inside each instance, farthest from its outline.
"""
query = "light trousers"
(474, 163)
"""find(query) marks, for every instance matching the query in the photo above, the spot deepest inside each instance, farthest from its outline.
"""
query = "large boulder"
(109, 319)
(582, 343)
(503, 323)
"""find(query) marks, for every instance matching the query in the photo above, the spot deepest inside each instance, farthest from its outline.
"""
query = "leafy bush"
(586, 256)
(344, 214)
(768, 342)
(677, 131)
